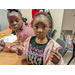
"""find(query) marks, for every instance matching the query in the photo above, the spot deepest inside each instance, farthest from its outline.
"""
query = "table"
(9, 58)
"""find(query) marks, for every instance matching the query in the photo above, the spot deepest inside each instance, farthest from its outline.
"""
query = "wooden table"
(9, 58)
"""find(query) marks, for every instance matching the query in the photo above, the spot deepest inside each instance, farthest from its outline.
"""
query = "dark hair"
(51, 18)
(17, 11)
(48, 15)
(43, 13)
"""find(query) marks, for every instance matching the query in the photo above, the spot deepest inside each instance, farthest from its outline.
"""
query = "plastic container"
(69, 40)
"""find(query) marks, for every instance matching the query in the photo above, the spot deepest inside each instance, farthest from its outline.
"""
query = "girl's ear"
(49, 26)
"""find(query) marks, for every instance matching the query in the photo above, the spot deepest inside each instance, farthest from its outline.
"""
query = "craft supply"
(33, 53)
(1, 48)
(36, 54)
(1, 34)
(10, 38)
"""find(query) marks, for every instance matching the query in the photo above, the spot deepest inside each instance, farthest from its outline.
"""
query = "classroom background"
(63, 19)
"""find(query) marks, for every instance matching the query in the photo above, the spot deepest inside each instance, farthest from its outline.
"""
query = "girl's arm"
(11, 48)
(22, 52)
(8, 47)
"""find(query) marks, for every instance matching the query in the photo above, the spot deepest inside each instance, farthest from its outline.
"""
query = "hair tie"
(46, 10)
(21, 27)
(10, 10)
(24, 20)
(41, 11)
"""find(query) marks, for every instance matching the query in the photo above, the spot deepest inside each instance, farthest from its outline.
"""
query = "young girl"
(21, 27)
(40, 50)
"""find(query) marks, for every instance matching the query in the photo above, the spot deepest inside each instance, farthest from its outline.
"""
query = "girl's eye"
(44, 26)
(11, 21)
(17, 20)
(36, 26)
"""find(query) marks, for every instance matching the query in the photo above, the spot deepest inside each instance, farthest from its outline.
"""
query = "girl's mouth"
(39, 34)
(15, 27)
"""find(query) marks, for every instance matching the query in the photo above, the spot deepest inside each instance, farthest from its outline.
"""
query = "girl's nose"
(39, 29)
(14, 23)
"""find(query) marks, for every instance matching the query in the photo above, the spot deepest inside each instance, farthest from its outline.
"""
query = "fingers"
(52, 51)
(55, 57)
(19, 51)
(2, 43)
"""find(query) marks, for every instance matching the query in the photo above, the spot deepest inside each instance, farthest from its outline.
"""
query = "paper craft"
(10, 39)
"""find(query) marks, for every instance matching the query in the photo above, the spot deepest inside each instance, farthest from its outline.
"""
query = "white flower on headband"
(46, 10)
(41, 11)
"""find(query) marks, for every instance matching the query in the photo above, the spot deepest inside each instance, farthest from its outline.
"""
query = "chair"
(72, 48)
(64, 46)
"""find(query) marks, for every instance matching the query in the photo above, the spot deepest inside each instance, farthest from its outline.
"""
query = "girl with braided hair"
(20, 26)
(39, 49)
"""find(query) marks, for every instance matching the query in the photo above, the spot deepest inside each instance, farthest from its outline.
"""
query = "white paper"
(10, 39)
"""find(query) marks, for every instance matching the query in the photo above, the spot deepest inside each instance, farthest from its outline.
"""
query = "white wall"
(69, 19)
(57, 15)
(26, 13)
(3, 20)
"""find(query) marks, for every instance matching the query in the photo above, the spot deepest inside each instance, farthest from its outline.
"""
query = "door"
(68, 19)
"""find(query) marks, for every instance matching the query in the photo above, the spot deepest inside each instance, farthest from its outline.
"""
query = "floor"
(68, 54)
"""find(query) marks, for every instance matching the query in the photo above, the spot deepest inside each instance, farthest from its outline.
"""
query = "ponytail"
(24, 20)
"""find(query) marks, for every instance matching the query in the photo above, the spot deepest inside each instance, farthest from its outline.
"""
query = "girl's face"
(41, 26)
(15, 21)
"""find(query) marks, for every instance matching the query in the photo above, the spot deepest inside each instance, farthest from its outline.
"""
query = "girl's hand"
(19, 51)
(2, 43)
(55, 57)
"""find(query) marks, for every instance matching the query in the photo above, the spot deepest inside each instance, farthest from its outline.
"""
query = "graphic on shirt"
(37, 57)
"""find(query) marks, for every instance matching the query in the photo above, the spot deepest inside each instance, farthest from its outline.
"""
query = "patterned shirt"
(35, 56)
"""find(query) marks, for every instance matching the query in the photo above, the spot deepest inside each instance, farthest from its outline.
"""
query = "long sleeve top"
(21, 36)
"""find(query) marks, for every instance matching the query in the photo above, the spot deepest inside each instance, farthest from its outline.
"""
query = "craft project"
(10, 39)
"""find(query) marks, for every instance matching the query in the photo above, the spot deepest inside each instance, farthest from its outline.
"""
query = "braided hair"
(47, 15)
(17, 11)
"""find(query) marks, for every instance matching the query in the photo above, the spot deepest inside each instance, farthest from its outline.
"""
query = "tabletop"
(9, 58)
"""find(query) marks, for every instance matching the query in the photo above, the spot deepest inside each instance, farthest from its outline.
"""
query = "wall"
(68, 19)
(3, 20)
(57, 15)
(26, 13)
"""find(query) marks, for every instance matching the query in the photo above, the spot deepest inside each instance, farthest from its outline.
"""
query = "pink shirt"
(21, 36)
